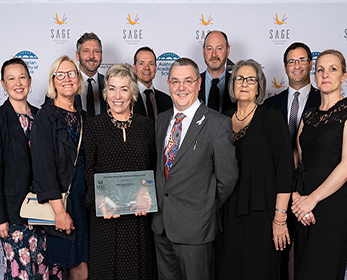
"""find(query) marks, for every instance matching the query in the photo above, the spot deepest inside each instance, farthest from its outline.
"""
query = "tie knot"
(179, 117)
(90, 80)
(296, 94)
(147, 92)
(215, 81)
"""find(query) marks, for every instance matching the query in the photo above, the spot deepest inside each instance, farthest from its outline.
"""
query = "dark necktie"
(150, 111)
(173, 144)
(90, 98)
(294, 115)
(213, 97)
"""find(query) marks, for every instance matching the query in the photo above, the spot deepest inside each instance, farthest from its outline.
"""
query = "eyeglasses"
(250, 80)
(187, 82)
(72, 74)
(301, 61)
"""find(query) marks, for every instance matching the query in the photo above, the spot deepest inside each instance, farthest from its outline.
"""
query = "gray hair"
(185, 61)
(260, 75)
(122, 70)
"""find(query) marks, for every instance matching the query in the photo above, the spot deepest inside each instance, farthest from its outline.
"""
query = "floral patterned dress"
(25, 249)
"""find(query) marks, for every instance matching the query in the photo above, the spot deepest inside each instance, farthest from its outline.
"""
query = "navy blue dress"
(62, 252)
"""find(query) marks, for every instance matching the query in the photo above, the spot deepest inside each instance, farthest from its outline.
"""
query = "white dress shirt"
(95, 85)
(302, 98)
(142, 89)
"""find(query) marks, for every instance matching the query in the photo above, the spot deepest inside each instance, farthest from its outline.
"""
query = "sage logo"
(278, 85)
(132, 35)
(30, 59)
(280, 35)
(133, 22)
(60, 35)
(164, 62)
(204, 22)
(62, 21)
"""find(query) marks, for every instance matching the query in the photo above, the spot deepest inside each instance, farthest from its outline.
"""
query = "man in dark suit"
(297, 64)
(300, 95)
(150, 101)
(89, 55)
(214, 86)
(196, 173)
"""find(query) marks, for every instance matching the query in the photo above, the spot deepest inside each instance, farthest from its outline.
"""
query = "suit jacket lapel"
(198, 122)
(313, 98)
(202, 88)
(284, 105)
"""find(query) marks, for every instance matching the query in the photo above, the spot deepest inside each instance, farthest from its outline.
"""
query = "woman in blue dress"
(55, 139)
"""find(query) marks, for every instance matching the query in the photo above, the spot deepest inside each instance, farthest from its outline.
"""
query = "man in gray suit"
(196, 173)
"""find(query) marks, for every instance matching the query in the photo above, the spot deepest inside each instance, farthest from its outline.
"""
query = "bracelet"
(279, 224)
(281, 210)
(278, 221)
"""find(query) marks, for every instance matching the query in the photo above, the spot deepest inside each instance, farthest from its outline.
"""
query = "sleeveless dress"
(320, 249)
(62, 252)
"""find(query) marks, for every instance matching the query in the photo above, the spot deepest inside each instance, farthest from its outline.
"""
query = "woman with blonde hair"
(55, 142)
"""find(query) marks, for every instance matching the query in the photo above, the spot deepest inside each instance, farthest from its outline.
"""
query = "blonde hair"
(122, 70)
(51, 91)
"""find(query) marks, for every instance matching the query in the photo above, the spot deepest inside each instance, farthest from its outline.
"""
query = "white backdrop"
(40, 31)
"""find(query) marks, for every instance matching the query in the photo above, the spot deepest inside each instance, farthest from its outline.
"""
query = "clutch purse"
(42, 213)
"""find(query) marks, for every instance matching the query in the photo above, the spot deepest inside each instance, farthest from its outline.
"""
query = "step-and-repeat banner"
(41, 32)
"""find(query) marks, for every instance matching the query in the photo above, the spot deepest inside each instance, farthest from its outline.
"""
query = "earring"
(30, 90)
(5, 92)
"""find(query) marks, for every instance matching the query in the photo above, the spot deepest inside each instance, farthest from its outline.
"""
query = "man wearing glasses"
(214, 86)
(297, 98)
(196, 173)
(300, 95)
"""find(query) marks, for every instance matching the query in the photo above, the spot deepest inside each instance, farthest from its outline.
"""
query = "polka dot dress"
(121, 248)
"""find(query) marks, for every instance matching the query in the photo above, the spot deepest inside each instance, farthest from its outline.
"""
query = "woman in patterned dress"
(121, 247)
(24, 247)
(55, 137)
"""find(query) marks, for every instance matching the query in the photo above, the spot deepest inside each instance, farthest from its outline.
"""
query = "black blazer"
(15, 165)
(103, 104)
(281, 101)
(53, 152)
(227, 103)
(163, 101)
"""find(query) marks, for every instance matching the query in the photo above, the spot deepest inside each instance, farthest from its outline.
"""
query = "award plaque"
(125, 193)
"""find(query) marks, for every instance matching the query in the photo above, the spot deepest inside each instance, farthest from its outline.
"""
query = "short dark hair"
(221, 32)
(185, 61)
(295, 46)
(14, 61)
(87, 37)
(146, 49)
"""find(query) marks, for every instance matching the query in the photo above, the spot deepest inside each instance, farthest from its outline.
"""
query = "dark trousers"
(182, 261)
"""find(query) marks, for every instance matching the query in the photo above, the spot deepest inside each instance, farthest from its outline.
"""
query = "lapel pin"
(199, 122)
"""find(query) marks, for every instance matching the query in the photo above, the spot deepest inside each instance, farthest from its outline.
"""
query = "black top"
(265, 159)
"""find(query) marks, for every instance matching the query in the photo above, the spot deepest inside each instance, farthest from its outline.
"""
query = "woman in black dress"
(320, 203)
(121, 247)
(24, 247)
(55, 138)
(254, 217)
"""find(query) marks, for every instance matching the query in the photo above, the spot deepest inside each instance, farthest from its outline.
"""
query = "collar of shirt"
(302, 98)
(189, 113)
(220, 85)
(142, 89)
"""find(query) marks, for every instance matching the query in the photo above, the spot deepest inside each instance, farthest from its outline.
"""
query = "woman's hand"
(63, 221)
(4, 230)
(143, 202)
(281, 235)
(302, 208)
